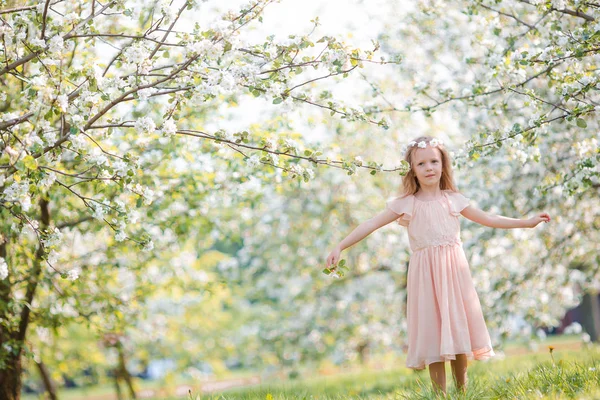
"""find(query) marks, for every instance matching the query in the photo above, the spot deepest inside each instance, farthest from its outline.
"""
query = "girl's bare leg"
(459, 372)
(437, 372)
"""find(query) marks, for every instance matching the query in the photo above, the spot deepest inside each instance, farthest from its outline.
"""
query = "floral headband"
(422, 144)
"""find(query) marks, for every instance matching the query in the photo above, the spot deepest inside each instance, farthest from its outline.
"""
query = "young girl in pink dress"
(445, 321)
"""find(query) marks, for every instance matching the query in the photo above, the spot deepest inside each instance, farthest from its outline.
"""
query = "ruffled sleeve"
(402, 206)
(457, 202)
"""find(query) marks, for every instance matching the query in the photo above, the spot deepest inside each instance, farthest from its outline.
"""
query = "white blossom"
(422, 144)
(145, 125)
(48, 180)
(296, 169)
(167, 10)
(253, 160)
(585, 337)
(144, 94)
(120, 167)
(136, 54)
(206, 47)
(73, 274)
(291, 144)
(53, 239)
(562, 40)
(53, 256)
(97, 157)
(78, 141)
(148, 195)
(76, 120)
(574, 328)
(56, 44)
(39, 81)
(99, 211)
(3, 269)
(169, 127)
(586, 80)
(533, 120)
(63, 102)
(71, 18)
(148, 246)
(274, 158)
(12, 154)
(19, 192)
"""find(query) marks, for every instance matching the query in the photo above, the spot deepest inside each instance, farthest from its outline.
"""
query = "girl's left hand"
(534, 221)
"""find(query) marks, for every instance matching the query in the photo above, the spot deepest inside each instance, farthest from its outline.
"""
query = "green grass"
(572, 375)
(564, 374)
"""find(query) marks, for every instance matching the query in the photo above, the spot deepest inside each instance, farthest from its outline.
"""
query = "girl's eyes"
(435, 161)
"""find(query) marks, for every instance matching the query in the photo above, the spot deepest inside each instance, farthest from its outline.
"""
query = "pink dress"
(443, 311)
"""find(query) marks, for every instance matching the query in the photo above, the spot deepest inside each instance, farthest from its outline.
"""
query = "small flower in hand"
(541, 217)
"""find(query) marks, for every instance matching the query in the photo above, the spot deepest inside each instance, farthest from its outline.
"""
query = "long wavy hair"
(410, 184)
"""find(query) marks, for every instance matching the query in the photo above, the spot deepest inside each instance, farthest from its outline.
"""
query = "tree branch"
(565, 11)
(509, 16)
(43, 34)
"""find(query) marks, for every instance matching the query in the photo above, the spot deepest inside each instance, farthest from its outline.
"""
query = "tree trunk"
(123, 373)
(47, 379)
(117, 385)
(10, 375)
(10, 378)
(363, 353)
(590, 315)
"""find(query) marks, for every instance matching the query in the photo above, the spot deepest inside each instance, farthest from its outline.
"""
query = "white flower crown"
(422, 144)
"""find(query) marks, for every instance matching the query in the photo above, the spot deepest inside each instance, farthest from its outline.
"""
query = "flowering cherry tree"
(519, 83)
(511, 87)
(103, 109)
(92, 96)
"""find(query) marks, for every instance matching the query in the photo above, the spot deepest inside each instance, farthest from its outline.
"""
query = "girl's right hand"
(541, 217)
(334, 256)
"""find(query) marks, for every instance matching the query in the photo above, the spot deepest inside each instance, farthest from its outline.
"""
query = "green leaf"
(581, 123)
(277, 100)
(327, 271)
(30, 162)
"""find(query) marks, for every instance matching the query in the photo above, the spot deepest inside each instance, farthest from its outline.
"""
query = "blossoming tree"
(91, 99)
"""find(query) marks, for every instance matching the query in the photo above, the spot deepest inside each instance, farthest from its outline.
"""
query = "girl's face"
(427, 166)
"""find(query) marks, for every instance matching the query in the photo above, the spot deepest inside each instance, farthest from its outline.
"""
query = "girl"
(445, 321)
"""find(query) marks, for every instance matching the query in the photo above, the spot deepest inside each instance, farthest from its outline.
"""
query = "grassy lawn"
(570, 372)
(562, 375)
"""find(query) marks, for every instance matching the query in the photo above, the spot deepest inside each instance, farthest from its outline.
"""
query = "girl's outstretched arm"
(361, 232)
(498, 221)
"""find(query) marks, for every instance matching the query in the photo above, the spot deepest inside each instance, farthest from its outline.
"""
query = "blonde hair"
(410, 184)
